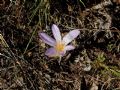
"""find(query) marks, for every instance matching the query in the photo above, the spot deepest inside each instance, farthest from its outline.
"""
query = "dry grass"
(93, 64)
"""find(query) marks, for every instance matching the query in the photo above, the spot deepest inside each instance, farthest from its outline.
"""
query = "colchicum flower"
(59, 45)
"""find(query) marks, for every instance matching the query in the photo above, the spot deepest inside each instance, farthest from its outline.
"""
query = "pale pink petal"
(71, 36)
(56, 32)
(47, 39)
(69, 47)
(51, 52)
(62, 53)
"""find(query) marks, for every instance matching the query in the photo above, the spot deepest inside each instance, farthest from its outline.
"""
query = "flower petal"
(51, 52)
(56, 32)
(62, 53)
(47, 39)
(69, 47)
(71, 36)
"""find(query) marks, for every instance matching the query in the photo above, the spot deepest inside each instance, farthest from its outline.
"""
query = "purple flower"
(59, 45)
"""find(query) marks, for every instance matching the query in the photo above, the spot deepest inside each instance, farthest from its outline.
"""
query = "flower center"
(60, 47)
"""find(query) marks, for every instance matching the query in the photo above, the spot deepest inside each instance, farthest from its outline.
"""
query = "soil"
(93, 65)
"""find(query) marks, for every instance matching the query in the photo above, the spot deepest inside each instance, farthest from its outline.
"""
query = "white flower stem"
(59, 60)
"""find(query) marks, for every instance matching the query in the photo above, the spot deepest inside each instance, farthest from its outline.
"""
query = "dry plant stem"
(30, 38)
(2, 40)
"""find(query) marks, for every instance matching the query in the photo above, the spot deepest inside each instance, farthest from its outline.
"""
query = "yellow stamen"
(60, 47)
